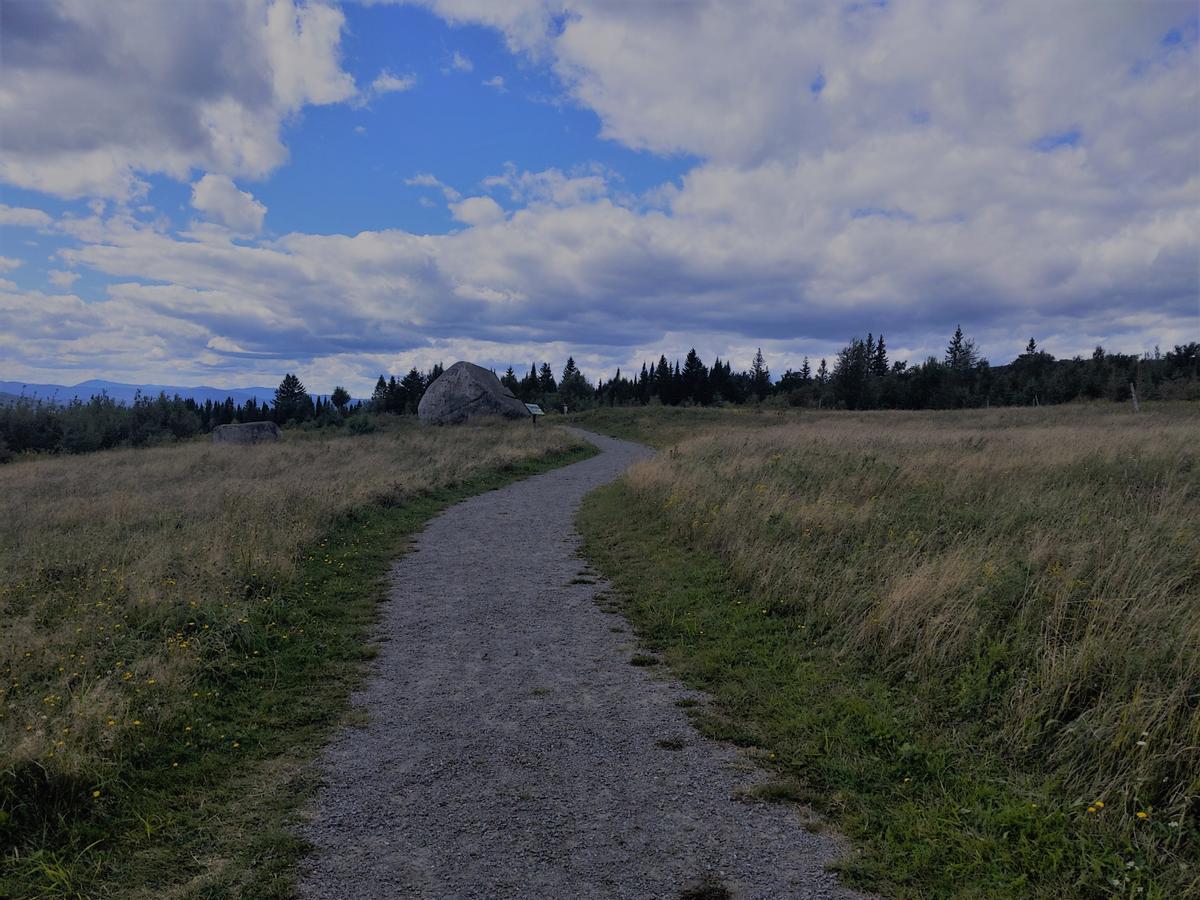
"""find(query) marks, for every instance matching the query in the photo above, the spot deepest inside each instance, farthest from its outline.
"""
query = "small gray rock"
(467, 391)
(247, 433)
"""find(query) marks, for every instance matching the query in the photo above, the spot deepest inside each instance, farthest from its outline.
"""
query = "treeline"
(100, 423)
(862, 377)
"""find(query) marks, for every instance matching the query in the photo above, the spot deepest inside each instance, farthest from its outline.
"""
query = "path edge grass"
(211, 803)
(926, 817)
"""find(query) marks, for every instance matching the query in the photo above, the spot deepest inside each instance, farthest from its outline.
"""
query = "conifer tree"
(546, 382)
(339, 398)
(960, 354)
(291, 400)
(413, 386)
(806, 370)
(379, 395)
(879, 362)
(760, 376)
(396, 399)
(574, 388)
(695, 378)
(662, 380)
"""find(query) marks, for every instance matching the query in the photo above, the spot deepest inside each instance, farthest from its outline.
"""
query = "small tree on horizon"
(292, 400)
(339, 398)
(760, 376)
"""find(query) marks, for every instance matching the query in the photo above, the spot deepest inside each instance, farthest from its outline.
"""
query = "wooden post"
(1133, 397)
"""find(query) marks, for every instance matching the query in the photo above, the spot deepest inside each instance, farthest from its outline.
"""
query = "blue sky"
(222, 192)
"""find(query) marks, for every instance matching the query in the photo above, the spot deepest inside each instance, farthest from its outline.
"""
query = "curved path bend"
(512, 750)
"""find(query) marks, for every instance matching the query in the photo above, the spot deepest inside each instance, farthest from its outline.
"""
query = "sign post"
(534, 412)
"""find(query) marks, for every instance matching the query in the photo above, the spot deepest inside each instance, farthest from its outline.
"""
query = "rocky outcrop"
(249, 433)
(467, 391)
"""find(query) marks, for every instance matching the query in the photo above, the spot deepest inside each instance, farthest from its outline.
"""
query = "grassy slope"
(958, 704)
(196, 794)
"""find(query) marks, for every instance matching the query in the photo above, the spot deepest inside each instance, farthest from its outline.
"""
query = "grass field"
(971, 638)
(179, 630)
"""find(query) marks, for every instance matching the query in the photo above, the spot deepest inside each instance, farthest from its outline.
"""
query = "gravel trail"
(513, 751)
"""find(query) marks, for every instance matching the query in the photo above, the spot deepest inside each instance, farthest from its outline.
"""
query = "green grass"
(204, 805)
(897, 611)
(932, 818)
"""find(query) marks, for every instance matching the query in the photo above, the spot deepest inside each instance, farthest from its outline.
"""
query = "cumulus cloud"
(96, 94)
(496, 83)
(62, 279)
(461, 63)
(1020, 168)
(220, 198)
(551, 185)
(23, 217)
(8, 263)
(477, 211)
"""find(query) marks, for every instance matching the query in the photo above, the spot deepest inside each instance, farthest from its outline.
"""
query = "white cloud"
(496, 82)
(424, 179)
(360, 129)
(461, 63)
(856, 168)
(387, 82)
(552, 185)
(218, 196)
(96, 94)
(477, 211)
(63, 279)
(23, 217)
(8, 263)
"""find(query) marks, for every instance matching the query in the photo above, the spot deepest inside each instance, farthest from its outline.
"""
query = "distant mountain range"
(58, 393)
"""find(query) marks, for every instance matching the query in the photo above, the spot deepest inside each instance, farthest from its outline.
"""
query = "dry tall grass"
(1035, 570)
(120, 570)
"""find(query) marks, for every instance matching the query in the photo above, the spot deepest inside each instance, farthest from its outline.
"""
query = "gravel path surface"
(513, 751)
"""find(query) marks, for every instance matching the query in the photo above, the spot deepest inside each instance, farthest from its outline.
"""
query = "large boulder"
(467, 391)
(248, 433)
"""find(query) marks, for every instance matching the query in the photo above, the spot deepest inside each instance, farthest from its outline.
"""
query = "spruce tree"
(806, 370)
(760, 376)
(546, 382)
(291, 400)
(574, 388)
(413, 385)
(396, 399)
(961, 354)
(529, 385)
(879, 363)
(695, 378)
(379, 395)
